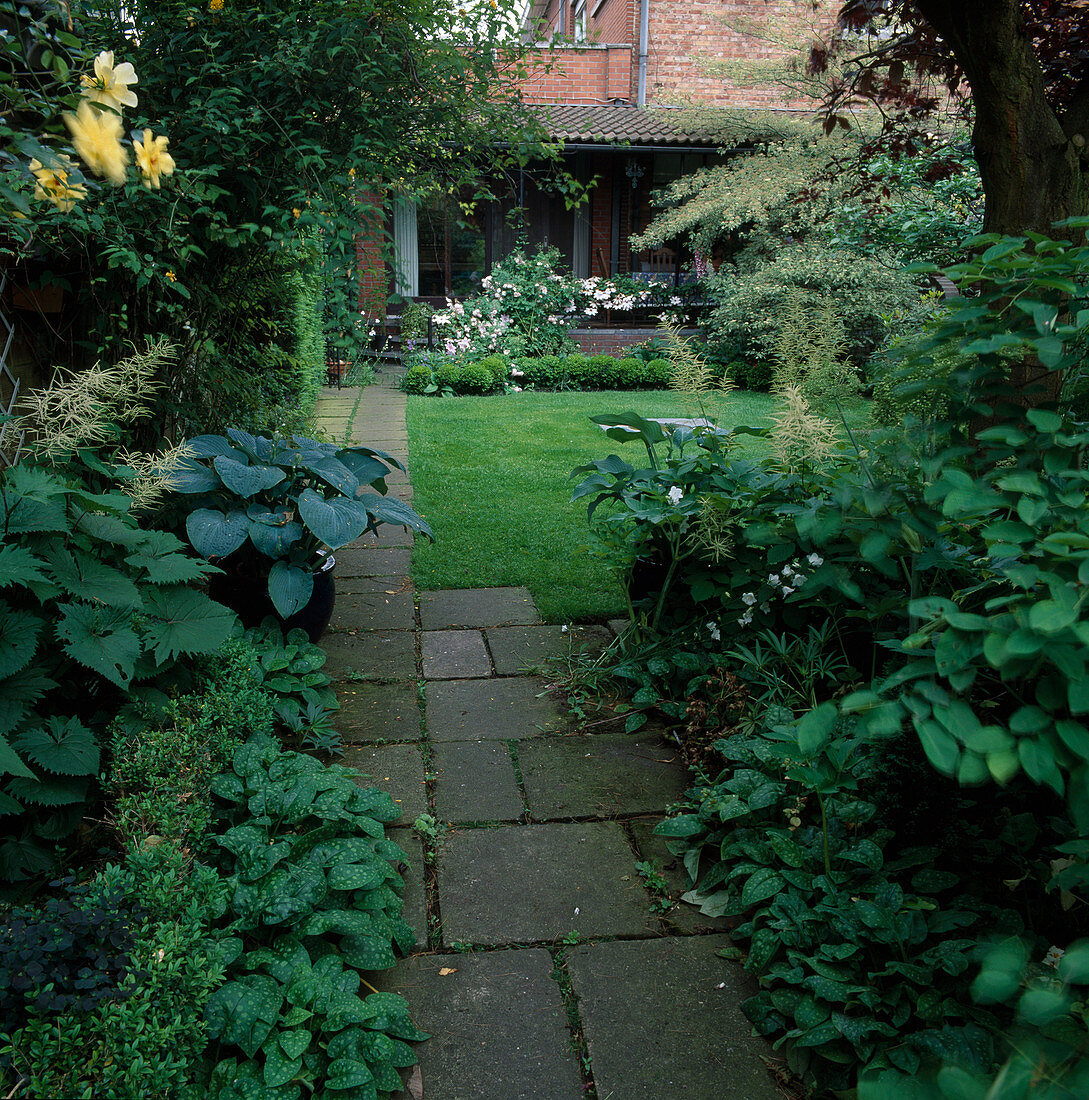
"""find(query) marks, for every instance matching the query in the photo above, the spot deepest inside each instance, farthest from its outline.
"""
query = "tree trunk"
(1032, 156)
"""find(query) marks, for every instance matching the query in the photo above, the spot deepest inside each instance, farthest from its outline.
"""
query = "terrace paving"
(543, 968)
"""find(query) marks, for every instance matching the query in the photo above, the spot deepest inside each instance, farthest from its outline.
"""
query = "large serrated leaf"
(19, 566)
(54, 790)
(18, 692)
(61, 746)
(101, 638)
(179, 620)
(335, 522)
(19, 632)
(93, 580)
(163, 559)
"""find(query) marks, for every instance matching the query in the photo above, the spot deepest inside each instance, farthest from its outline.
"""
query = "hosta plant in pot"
(270, 512)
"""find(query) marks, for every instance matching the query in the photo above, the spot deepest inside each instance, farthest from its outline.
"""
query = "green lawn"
(491, 476)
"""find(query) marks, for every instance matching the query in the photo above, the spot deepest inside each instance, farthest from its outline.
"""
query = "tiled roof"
(621, 124)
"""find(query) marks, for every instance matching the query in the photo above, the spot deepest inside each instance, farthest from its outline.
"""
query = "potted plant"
(270, 512)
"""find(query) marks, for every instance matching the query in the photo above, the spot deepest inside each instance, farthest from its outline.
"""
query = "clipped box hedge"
(547, 372)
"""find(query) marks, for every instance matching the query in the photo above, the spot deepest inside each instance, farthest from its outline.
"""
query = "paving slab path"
(544, 968)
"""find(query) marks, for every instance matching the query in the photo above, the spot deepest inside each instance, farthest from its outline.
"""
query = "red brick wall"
(613, 22)
(686, 34)
(370, 261)
(579, 76)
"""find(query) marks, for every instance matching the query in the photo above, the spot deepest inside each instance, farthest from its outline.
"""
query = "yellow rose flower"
(152, 158)
(97, 138)
(53, 184)
(109, 87)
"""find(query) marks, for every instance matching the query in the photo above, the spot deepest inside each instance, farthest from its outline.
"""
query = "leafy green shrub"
(749, 304)
(414, 317)
(595, 372)
(417, 378)
(163, 758)
(862, 953)
(474, 378)
(94, 609)
(147, 1038)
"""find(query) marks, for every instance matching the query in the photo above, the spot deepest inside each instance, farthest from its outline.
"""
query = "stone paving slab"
(388, 534)
(497, 1025)
(476, 607)
(397, 769)
(377, 712)
(602, 775)
(363, 611)
(389, 586)
(537, 883)
(454, 654)
(378, 561)
(381, 655)
(415, 893)
(475, 781)
(687, 918)
(661, 1019)
(517, 648)
(489, 710)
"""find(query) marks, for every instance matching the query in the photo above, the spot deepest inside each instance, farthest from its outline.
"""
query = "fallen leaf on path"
(416, 1084)
(446, 971)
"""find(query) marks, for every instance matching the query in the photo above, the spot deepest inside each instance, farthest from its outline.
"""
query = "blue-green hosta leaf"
(53, 791)
(289, 588)
(19, 631)
(162, 556)
(257, 447)
(273, 533)
(314, 446)
(208, 446)
(192, 476)
(366, 468)
(215, 535)
(93, 580)
(101, 638)
(335, 522)
(392, 510)
(246, 481)
(333, 472)
(180, 620)
(62, 746)
(19, 566)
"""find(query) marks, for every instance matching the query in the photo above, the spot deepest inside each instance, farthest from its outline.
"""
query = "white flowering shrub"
(528, 306)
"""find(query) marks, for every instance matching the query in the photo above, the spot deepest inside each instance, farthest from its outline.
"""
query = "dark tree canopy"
(1025, 65)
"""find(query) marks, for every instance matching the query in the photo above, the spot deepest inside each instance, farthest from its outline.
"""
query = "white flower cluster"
(789, 579)
(675, 494)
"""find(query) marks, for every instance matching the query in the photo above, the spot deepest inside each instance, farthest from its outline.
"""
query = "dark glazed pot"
(247, 596)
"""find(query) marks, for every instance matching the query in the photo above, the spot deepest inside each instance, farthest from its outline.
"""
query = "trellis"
(9, 385)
